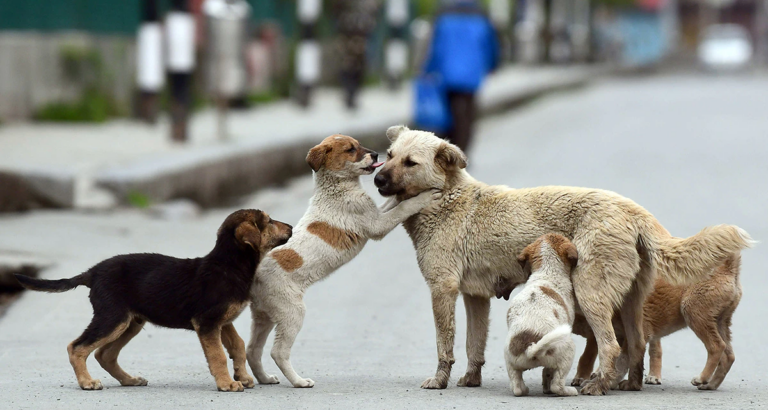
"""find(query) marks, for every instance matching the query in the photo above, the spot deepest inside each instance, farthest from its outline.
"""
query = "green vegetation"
(82, 67)
(138, 200)
(261, 98)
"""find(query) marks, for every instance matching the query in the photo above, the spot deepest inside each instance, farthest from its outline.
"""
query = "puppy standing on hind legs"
(540, 317)
(340, 220)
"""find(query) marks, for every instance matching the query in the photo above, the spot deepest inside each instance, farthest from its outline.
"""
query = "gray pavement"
(691, 149)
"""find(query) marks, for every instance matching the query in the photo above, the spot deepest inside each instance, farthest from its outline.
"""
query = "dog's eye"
(351, 149)
(389, 155)
(409, 163)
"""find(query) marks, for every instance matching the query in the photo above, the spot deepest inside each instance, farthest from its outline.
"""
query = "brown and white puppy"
(706, 307)
(540, 317)
(469, 238)
(339, 221)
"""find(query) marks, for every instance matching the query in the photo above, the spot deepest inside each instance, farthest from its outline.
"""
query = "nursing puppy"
(706, 307)
(340, 220)
(540, 317)
(468, 239)
(202, 294)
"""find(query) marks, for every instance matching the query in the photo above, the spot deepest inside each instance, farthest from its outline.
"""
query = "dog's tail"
(688, 260)
(54, 286)
(557, 336)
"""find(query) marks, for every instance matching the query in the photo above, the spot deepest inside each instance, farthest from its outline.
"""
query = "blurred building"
(56, 53)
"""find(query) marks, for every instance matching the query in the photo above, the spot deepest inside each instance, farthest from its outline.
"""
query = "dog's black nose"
(374, 156)
(380, 180)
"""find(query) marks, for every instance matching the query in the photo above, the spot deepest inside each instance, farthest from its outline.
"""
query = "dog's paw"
(706, 386)
(568, 391)
(470, 380)
(433, 383)
(593, 388)
(270, 379)
(93, 384)
(625, 385)
(135, 381)
(697, 381)
(230, 386)
(578, 381)
(304, 384)
(246, 380)
(520, 391)
(652, 379)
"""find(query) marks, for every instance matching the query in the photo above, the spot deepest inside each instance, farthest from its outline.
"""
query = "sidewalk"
(94, 166)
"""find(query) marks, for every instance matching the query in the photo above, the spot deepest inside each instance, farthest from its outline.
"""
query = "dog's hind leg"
(632, 317)
(654, 352)
(728, 357)
(598, 312)
(546, 379)
(260, 329)
(236, 349)
(516, 382)
(288, 327)
(565, 352)
(586, 362)
(107, 355)
(105, 327)
(478, 311)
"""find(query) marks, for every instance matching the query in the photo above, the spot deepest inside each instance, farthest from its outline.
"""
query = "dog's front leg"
(288, 326)
(210, 339)
(444, 297)
(392, 213)
(236, 349)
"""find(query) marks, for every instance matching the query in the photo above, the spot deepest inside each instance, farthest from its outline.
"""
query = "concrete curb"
(211, 174)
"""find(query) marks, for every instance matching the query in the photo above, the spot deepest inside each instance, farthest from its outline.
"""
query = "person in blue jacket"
(464, 50)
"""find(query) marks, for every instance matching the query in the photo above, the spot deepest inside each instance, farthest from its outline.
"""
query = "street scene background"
(652, 117)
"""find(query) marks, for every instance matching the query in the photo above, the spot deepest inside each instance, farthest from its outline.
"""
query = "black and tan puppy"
(202, 294)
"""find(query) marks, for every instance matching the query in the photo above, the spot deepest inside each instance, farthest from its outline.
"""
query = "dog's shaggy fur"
(706, 307)
(202, 294)
(340, 220)
(467, 240)
(540, 317)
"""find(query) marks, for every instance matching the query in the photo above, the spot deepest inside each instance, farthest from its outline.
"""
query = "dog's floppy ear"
(568, 250)
(450, 157)
(503, 288)
(395, 131)
(247, 233)
(524, 259)
(316, 156)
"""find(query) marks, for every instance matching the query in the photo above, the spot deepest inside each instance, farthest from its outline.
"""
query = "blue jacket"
(464, 49)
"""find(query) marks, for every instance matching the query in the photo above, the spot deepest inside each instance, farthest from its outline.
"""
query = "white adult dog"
(340, 220)
(540, 318)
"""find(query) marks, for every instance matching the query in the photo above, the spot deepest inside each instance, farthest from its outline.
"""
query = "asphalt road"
(691, 149)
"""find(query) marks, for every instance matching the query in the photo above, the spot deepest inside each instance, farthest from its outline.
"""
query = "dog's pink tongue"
(377, 164)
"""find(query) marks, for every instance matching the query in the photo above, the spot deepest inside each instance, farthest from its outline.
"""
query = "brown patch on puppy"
(555, 296)
(530, 258)
(522, 340)
(564, 248)
(288, 259)
(334, 152)
(338, 238)
(554, 312)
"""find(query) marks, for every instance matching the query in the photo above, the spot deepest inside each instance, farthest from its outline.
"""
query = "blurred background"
(138, 125)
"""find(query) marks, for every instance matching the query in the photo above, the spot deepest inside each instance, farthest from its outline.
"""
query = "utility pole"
(180, 37)
(149, 61)
(308, 51)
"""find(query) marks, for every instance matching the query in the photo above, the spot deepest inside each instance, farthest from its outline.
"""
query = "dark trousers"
(463, 111)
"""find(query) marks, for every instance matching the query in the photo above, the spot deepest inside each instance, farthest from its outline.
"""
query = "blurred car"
(725, 47)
